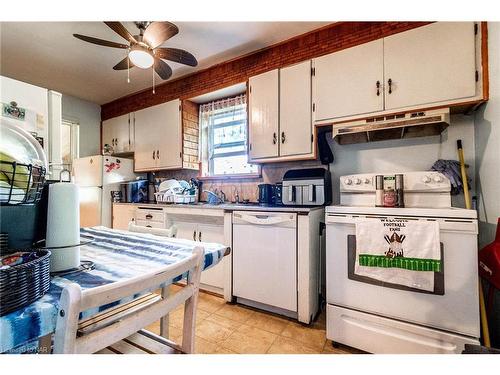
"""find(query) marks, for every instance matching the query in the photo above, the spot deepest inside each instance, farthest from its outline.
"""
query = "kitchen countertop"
(229, 207)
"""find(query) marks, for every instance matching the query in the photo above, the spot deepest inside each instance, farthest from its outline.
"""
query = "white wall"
(88, 115)
(416, 154)
(487, 132)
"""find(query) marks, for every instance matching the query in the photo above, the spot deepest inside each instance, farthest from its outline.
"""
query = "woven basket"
(25, 283)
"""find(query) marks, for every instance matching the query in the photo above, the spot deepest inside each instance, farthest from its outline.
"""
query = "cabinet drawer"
(150, 215)
(149, 224)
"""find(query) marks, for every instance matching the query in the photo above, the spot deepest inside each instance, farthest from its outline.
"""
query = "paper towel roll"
(63, 226)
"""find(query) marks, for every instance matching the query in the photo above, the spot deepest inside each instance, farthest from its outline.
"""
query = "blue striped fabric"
(117, 255)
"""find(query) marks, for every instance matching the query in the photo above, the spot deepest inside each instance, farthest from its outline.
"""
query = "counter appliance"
(135, 191)
(307, 187)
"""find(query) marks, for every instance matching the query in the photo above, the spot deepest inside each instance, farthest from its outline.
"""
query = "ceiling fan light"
(141, 58)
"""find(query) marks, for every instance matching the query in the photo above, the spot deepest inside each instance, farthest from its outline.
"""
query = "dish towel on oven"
(398, 251)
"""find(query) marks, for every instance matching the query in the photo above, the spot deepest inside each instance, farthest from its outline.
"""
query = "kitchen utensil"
(465, 184)
(134, 191)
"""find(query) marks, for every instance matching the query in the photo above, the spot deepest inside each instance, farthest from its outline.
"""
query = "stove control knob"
(357, 181)
(426, 179)
(438, 178)
(367, 181)
(348, 181)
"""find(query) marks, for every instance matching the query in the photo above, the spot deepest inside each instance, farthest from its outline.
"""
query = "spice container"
(390, 197)
(399, 187)
(379, 190)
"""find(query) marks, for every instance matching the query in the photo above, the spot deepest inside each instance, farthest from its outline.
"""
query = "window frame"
(74, 141)
(208, 145)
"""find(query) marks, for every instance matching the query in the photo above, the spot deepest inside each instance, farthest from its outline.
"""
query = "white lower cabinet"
(203, 229)
(122, 215)
(212, 233)
(150, 217)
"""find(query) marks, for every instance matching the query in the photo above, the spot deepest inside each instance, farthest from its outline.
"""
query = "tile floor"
(229, 329)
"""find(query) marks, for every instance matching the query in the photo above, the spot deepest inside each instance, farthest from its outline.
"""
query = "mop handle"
(482, 307)
(464, 174)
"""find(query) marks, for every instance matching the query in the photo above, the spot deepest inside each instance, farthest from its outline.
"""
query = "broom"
(482, 307)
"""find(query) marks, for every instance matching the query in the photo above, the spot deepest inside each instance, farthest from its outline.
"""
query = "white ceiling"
(46, 54)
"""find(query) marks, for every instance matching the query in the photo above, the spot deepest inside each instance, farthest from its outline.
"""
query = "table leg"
(44, 344)
(165, 292)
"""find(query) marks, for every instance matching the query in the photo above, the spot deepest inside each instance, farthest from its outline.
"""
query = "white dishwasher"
(265, 260)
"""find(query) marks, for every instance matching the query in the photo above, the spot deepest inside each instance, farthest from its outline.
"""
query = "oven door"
(453, 306)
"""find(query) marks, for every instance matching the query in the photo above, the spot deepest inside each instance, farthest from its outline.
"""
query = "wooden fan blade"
(158, 32)
(100, 42)
(122, 65)
(162, 68)
(177, 55)
(118, 28)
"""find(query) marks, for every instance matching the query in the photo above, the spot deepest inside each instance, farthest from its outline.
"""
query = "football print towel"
(398, 251)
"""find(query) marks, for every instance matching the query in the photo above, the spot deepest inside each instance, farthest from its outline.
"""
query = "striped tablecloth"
(117, 255)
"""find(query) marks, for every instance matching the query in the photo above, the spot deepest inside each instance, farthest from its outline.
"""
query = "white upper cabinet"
(430, 64)
(263, 115)
(280, 121)
(349, 82)
(169, 149)
(295, 121)
(118, 133)
(158, 137)
(145, 139)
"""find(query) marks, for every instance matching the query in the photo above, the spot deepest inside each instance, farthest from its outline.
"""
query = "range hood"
(392, 126)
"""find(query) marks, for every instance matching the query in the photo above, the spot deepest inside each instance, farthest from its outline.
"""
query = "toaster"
(307, 187)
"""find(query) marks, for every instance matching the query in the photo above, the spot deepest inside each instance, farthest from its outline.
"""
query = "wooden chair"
(121, 329)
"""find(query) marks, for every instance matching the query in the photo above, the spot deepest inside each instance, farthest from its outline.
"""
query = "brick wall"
(190, 135)
(320, 42)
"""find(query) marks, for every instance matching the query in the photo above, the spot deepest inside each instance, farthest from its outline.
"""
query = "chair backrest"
(74, 301)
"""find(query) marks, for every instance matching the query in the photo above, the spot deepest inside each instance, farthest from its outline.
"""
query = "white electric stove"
(384, 318)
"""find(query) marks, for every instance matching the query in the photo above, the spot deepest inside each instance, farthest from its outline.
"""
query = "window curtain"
(210, 117)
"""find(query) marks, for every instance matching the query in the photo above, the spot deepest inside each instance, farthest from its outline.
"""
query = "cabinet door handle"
(283, 139)
(153, 155)
(149, 216)
(149, 226)
(389, 82)
(194, 235)
(199, 236)
(275, 139)
(378, 88)
(157, 154)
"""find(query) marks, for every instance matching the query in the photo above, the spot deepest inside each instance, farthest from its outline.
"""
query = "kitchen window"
(223, 125)
(69, 142)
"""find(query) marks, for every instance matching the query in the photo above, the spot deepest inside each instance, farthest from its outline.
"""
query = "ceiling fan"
(143, 49)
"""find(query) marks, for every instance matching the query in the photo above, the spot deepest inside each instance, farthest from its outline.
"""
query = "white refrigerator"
(97, 176)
